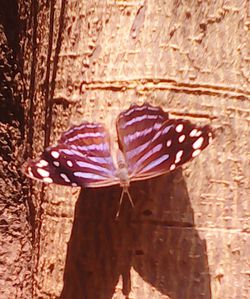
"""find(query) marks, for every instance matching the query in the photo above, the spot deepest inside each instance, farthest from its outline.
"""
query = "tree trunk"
(63, 62)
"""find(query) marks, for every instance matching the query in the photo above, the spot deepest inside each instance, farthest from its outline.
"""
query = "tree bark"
(68, 61)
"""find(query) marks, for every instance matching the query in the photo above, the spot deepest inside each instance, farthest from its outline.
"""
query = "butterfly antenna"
(120, 203)
(129, 197)
(124, 190)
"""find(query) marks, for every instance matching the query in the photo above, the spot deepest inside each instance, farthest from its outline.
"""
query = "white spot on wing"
(42, 172)
(198, 143)
(210, 137)
(193, 133)
(178, 156)
(56, 163)
(198, 133)
(74, 185)
(47, 180)
(169, 142)
(65, 177)
(42, 163)
(182, 138)
(55, 154)
(172, 167)
(179, 128)
(69, 163)
(196, 153)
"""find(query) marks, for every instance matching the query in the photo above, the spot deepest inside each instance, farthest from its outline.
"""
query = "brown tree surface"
(63, 62)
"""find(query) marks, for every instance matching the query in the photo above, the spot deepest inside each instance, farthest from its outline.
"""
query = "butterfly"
(149, 144)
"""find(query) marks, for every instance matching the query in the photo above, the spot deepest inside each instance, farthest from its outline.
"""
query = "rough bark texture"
(188, 236)
(16, 216)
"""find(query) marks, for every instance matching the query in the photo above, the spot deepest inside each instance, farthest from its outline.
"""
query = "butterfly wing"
(136, 127)
(155, 145)
(81, 158)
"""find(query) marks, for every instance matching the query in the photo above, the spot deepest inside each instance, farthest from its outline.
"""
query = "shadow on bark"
(157, 238)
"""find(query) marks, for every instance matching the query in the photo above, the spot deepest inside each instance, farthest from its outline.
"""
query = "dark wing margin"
(81, 158)
(157, 148)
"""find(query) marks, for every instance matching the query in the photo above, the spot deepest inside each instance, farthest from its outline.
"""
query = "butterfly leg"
(129, 197)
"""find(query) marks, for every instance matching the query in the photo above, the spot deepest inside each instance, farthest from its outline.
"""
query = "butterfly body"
(122, 169)
(149, 144)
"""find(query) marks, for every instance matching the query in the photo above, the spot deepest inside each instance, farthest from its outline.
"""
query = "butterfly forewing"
(136, 127)
(172, 148)
(160, 146)
(81, 158)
